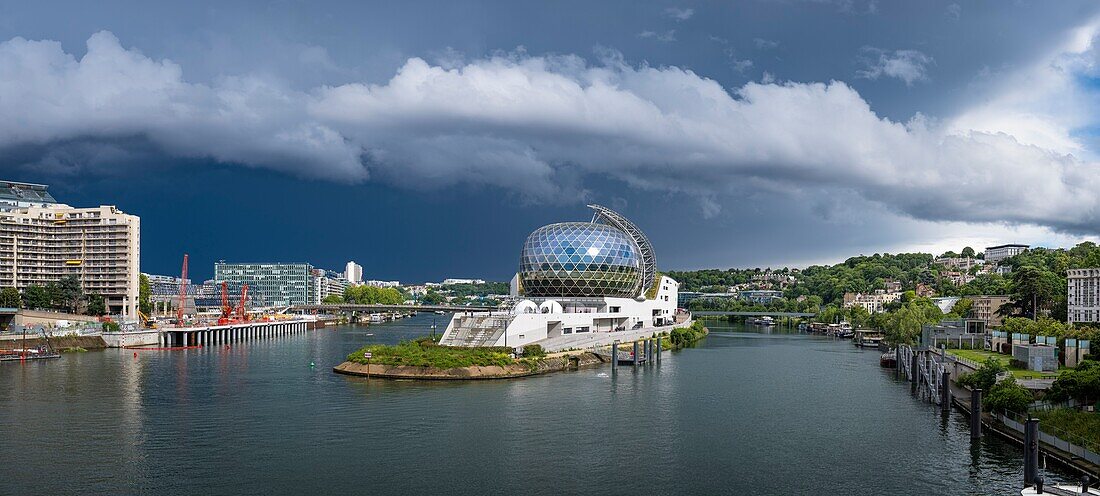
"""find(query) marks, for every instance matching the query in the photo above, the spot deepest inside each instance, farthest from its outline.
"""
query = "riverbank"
(522, 368)
(57, 342)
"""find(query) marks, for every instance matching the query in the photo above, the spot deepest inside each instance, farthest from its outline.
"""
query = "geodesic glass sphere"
(580, 259)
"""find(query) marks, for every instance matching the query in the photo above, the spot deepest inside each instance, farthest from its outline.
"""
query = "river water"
(746, 412)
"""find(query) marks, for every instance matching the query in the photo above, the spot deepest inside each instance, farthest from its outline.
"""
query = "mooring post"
(897, 363)
(658, 349)
(913, 364)
(614, 357)
(635, 352)
(1031, 452)
(945, 391)
(976, 413)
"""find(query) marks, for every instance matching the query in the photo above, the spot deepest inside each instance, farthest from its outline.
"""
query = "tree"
(96, 305)
(985, 377)
(1081, 383)
(968, 252)
(145, 295)
(333, 300)
(1033, 289)
(36, 297)
(69, 294)
(9, 298)
(1009, 396)
(962, 307)
(431, 298)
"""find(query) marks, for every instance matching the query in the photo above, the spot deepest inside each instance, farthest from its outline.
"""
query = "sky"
(426, 139)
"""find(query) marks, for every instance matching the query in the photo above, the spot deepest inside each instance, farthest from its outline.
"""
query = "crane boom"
(241, 311)
(183, 292)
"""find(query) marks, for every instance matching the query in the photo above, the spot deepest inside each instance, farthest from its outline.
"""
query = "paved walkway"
(590, 339)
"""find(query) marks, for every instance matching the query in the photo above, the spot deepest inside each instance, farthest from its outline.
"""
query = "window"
(582, 329)
(614, 310)
(567, 330)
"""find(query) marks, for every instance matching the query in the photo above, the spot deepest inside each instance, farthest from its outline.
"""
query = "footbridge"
(335, 308)
(708, 313)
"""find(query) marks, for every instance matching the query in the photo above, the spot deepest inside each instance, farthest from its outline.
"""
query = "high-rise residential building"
(994, 254)
(353, 273)
(1084, 295)
(276, 284)
(985, 308)
(42, 241)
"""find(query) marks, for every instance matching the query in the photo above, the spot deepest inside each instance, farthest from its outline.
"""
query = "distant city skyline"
(428, 146)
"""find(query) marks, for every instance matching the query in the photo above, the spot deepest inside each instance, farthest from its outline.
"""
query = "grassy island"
(425, 352)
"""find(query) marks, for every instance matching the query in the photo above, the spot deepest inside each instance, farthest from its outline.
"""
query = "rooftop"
(25, 192)
(1007, 246)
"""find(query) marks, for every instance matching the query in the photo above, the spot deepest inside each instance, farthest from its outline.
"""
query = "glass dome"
(580, 259)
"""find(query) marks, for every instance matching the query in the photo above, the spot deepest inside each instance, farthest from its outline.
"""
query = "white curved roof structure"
(649, 260)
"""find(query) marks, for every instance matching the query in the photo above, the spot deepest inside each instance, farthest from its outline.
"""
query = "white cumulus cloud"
(907, 65)
(538, 126)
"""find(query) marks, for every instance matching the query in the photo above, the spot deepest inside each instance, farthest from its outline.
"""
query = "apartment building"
(1084, 295)
(985, 308)
(42, 241)
(872, 302)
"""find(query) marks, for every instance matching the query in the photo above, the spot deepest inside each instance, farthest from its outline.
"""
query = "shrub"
(1007, 395)
(111, 327)
(1081, 383)
(984, 377)
(534, 351)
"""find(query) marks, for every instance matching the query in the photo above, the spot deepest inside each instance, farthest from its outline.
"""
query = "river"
(746, 412)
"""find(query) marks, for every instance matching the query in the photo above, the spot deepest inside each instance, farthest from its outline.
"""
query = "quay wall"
(58, 342)
(542, 366)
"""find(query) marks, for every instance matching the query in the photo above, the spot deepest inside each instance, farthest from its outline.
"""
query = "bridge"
(351, 307)
(708, 313)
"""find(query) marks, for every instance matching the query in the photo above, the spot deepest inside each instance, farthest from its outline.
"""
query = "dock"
(230, 333)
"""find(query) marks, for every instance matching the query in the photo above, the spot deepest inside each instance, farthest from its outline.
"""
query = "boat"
(763, 321)
(889, 359)
(867, 338)
(440, 312)
(39, 353)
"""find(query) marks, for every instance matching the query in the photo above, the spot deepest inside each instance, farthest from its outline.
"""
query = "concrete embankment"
(57, 342)
(540, 366)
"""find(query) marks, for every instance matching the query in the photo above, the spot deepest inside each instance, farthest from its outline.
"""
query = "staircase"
(475, 330)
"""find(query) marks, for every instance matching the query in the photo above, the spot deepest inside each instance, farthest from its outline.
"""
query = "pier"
(231, 333)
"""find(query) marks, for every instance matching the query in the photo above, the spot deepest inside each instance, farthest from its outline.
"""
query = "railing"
(1053, 436)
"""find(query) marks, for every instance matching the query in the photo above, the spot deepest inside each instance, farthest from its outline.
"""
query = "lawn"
(425, 352)
(979, 356)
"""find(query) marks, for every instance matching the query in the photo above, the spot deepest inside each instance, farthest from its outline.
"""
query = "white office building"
(1084, 295)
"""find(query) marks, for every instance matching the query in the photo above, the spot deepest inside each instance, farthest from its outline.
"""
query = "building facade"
(42, 241)
(995, 254)
(872, 302)
(328, 283)
(276, 284)
(986, 306)
(1084, 295)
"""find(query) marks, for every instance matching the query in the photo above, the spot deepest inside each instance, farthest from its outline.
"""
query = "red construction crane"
(242, 313)
(183, 292)
(226, 309)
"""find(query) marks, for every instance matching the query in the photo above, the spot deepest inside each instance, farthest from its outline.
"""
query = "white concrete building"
(1084, 295)
(327, 283)
(462, 281)
(42, 241)
(872, 302)
(353, 273)
(994, 254)
(577, 279)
